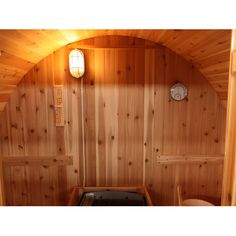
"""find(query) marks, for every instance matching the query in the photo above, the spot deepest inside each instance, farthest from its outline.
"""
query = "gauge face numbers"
(178, 92)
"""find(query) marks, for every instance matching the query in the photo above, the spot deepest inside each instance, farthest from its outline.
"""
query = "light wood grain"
(208, 50)
(168, 159)
(229, 178)
(37, 160)
(2, 195)
(129, 120)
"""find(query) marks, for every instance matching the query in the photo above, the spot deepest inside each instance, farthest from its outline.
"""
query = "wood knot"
(128, 67)
(51, 106)
(23, 95)
(216, 140)
(206, 134)
(60, 149)
(204, 108)
(157, 150)
(99, 142)
(136, 117)
(32, 131)
(112, 137)
(91, 82)
(17, 108)
(201, 95)
(74, 92)
(41, 91)
(183, 124)
(41, 178)
(119, 158)
(45, 166)
(51, 188)
(153, 111)
(20, 146)
(145, 144)
(36, 69)
(6, 138)
(127, 114)
(54, 160)
(146, 160)
(76, 171)
(45, 131)
(14, 126)
(130, 163)
(37, 109)
(118, 72)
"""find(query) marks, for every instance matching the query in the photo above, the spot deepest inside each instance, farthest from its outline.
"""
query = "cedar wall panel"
(129, 122)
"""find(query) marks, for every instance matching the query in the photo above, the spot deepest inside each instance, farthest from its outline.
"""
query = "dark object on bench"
(112, 198)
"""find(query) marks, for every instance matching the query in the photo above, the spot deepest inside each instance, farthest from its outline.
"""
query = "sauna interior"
(118, 125)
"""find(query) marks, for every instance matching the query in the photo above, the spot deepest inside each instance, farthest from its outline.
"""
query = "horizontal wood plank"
(37, 160)
(173, 159)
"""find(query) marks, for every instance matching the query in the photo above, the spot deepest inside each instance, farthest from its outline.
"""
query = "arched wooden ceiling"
(20, 50)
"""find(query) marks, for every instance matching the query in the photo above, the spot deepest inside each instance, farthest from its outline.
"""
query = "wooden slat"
(233, 62)
(37, 160)
(207, 49)
(128, 120)
(2, 195)
(182, 159)
(229, 177)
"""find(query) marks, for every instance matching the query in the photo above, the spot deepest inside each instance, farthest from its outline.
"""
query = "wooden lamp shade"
(76, 63)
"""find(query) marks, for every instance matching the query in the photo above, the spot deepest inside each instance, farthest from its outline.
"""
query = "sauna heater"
(112, 198)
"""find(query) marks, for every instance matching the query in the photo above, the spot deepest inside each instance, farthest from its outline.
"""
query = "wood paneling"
(229, 179)
(29, 134)
(208, 50)
(2, 195)
(129, 122)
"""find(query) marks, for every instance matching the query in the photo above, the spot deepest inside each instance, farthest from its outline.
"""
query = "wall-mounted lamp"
(76, 63)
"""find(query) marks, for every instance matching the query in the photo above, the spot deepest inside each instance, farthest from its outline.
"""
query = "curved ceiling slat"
(208, 50)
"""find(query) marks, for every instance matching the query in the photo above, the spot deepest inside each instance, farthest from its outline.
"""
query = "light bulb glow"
(76, 63)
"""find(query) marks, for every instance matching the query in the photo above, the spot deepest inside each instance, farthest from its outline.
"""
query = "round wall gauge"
(178, 92)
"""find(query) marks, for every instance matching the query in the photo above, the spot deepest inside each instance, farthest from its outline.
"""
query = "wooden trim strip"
(148, 198)
(37, 160)
(181, 159)
(2, 196)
